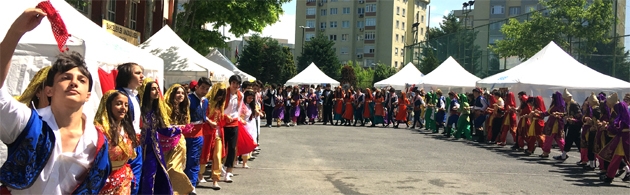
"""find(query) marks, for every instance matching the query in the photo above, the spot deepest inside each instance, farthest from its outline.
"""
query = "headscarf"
(102, 119)
(36, 84)
(212, 104)
(509, 100)
(168, 100)
(557, 101)
(164, 108)
(540, 103)
(623, 118)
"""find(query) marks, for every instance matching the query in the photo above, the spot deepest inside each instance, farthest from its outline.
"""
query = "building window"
(397, 24)
(134, 15)
(310, 1)
(344, 37)
(369, 49)
(360, 24)
(345, 24)
(309, 36)
(333, 11)
(404, 13)
(369, 36)
(333, 24)
(396, 37)
(370, 8)
(81, 6)
(322, 12)
(403, 25)
(111, 10)
(497, 9)
(402, 38)
(396, 53)
(370, 22)
(360, 10)
(346, 10)
(310, 23)
(397, 10)
(310, 11)
(344, 50)
(515, 11)
(402, 52)
(494, 39)
(422, 20)
(396, 64)
(530, 8)
(322, 25)
(359, 51)
(333, 37)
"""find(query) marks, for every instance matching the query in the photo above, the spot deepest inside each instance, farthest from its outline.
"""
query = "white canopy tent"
(551, 70)
(100, 48)
(181, 62)
(216, 57)
(312, 75)
(450, 75)
(407, 75)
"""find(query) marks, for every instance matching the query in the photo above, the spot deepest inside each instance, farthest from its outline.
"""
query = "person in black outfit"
(269, 101)
(327, 96)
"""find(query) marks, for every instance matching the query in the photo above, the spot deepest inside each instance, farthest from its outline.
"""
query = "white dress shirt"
(136, 108)
(64, 171)
(233, 108)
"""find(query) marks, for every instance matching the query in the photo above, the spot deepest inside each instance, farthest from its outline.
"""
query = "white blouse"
(64, 171)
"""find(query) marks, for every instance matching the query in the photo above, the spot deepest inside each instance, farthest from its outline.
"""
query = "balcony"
(311, 3)
(370, 27)
(368, 55)
(312, 29)
(370, 13)
(310, 16)
(369, 41)
(370, 1)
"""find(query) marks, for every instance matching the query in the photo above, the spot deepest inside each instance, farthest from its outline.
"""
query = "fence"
(470, 47)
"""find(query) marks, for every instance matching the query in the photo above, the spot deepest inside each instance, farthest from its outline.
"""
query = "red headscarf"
(541, 104)
(510, 101)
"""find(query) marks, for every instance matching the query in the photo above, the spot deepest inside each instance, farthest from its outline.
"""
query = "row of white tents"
(548, 71)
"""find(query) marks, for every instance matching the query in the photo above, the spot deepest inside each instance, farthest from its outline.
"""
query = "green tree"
(288, 69)
(603, 58)
(319, 50)
(348, 76)
(451, 39)
(382, 71)
(364, 76)
(241, 15)
(429, 61)
(265, 59)
(568, 21)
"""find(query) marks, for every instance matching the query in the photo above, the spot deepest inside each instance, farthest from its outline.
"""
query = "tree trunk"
(174, 16)
(148, 19)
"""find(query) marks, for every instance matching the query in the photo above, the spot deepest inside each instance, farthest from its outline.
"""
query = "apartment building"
(129, 19)
(364, 31)
(234, 45)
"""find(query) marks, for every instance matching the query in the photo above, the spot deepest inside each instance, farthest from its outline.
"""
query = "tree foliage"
(267, 60)
(242, 16)
(602, 60)
(364, 76)
(348, 76)
(451, 39)
(429, 61)
(319, 50)
(567, 21)
(382, 71)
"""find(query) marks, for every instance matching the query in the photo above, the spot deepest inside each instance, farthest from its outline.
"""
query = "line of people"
(141, 141)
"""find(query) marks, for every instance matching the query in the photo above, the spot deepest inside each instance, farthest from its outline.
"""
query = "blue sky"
(287, 21)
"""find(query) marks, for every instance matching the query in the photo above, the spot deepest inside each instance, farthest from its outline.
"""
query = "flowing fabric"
(620, 129)
(154, 178)
(174, 149)
(312, 111)
(348, 112)
(295, 106)
(106, 80)
(278, 111)
(402, 109)
(245, 143)
(339, 106)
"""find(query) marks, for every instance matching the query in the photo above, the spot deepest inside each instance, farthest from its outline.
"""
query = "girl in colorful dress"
(217, 119)
(278, 111)
(154, 120)
(249, 117)
(312, 106)
(509, 121)
(174, 147)
(379, 109)
(401, 115)
(368, 111)
(295, 105)
(339, 105)
(535, 129)
(112, 118)
(348, 112)
(554, 126)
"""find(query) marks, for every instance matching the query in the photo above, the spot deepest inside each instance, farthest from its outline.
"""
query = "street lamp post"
(466, 9)
(303, 38)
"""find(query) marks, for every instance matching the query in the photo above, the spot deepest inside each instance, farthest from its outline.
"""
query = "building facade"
(364, 31)
(234, 45)
(132, 20)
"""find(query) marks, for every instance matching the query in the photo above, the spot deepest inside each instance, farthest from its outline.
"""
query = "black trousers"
(230, 134)
(573, 136)
(497, 124)
(416, 118)
(591, 145)
(287, 117)
(269, 115)
(328, 114)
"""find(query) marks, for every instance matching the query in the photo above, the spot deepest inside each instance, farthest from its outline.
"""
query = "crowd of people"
(141, 140)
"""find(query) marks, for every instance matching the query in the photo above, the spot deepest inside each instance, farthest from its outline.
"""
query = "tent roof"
(179, 56)
(407, 75)
(311, 75)
(552, 66)
(459, 77)
(100, 46)
(216, 57)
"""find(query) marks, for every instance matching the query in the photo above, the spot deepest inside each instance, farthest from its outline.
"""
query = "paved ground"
(357, 160)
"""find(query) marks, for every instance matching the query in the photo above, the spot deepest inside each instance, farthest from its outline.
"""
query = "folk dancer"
(618, 149)
(592, 115)
(195, 138)
(509, 121)
(463, 121)
(480, 107)
(174, 147)
(554, 126)
(523, 121)
(454, 114)
(359, 107)
(573, 120)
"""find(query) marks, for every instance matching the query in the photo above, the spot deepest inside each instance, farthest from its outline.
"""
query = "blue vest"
(197, 110)
(29, 153)
(136, 163)
(453, 102)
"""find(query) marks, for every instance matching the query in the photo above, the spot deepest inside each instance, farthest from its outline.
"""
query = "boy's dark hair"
(496, 93)
(273, 86)
(522, 93)
(204, 80)
(245, 84)
(235, 78)
(65, 62)
(125, 72)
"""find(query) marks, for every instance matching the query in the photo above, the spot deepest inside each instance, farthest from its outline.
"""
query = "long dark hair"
(252, 105)
(179, 116)
(149, 105)
(126, 122)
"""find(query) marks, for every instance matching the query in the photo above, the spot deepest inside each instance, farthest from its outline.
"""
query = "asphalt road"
(358, 160)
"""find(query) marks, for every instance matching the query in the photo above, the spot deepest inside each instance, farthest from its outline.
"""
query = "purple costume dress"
(295, 108)
(618, 149)
(278, 111)
(312, 111)
(154, 178)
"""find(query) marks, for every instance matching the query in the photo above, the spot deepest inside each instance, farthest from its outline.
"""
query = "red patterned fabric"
(107, 80)
(58, 27)
(245, 143)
